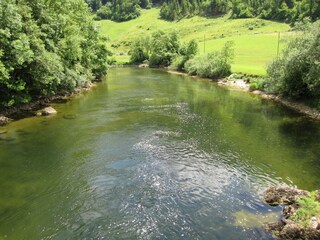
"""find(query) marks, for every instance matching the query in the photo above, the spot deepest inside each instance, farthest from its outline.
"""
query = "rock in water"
(4, 120)
(47, 111)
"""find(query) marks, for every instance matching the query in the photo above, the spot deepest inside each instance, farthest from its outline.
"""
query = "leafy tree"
(140, 50)
(47, 47)
(212, 65)
(161, 49)
(296, 74)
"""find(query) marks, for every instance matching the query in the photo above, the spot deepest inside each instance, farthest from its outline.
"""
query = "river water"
(151, 155)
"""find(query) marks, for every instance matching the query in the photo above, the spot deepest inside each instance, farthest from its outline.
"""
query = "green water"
(151, 155)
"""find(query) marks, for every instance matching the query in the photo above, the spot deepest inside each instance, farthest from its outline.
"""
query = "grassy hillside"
(255, 40)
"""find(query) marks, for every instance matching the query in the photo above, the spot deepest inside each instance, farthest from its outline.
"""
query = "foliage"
(140, 49)
(258, 84)
(176, 9)
(187, 51)
(47, 47)
(213, 65)
(119, 10)
(282, 10)
(296, 74)
(161, 48)
(309, 207)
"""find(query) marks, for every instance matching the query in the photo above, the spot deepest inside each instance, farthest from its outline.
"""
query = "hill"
(256, 40)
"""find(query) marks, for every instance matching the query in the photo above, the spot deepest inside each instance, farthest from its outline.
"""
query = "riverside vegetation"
(47, 48)
(52, 48)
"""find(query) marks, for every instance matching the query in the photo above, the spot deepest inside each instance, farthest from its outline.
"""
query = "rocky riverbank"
(39, 107)
(242, 85)
(300, 214)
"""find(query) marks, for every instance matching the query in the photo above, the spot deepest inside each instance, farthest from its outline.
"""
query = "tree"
(47, 47)
(297, 73)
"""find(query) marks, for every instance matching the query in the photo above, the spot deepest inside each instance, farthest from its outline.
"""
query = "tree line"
(119, 10)
(163, 49)
(47, 48)
(281, 10)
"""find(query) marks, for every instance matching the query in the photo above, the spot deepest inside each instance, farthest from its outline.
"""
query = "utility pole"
(278, 48)
(204, 44)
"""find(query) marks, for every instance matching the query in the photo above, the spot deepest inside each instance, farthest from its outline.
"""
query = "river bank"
(30, 109)
(242, 85)
(10, 114)
(300, 213)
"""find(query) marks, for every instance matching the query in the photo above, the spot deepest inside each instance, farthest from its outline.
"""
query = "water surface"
(150, 155)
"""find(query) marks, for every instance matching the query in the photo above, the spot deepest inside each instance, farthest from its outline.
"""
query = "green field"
(256, 40)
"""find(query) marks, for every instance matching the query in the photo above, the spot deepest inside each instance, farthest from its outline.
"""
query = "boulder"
(47, 111)
(4, 120)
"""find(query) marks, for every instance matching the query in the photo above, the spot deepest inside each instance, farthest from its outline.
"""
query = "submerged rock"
(251, 220)
(69, 116)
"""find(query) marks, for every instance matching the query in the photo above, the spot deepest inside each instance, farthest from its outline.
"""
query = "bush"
(119, 10)
(187, 51)
(178, 62)
(258, 84)
(296, 73)
(139, 50)
(212, 65)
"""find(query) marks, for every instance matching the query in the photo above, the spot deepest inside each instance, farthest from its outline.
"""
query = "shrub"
(162, 49)
(187, 51)
(139, 50)
(213, 65)
(296, 73)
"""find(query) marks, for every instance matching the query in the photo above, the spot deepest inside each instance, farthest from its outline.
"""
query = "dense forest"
(47, 48)
(280, 10)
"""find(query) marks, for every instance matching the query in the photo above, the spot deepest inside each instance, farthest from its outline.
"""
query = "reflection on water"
(149, 155)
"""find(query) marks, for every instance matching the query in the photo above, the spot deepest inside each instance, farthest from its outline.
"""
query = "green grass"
(255, 39)
(309, 207)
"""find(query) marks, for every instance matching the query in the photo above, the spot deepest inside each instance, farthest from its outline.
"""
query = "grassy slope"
(254, 48)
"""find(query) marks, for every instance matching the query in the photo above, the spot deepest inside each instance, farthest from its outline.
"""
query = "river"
(152, 155)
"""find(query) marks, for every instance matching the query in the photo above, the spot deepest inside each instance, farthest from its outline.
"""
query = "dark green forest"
(280, 10)
(47, 48)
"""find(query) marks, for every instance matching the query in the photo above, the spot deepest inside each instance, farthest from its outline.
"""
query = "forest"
(47, 48)
(280, 10)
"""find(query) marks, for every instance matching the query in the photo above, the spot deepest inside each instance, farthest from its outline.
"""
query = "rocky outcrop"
(288, 227)
(275, 196)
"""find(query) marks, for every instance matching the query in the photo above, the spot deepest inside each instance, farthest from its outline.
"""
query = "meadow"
(255, 40)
